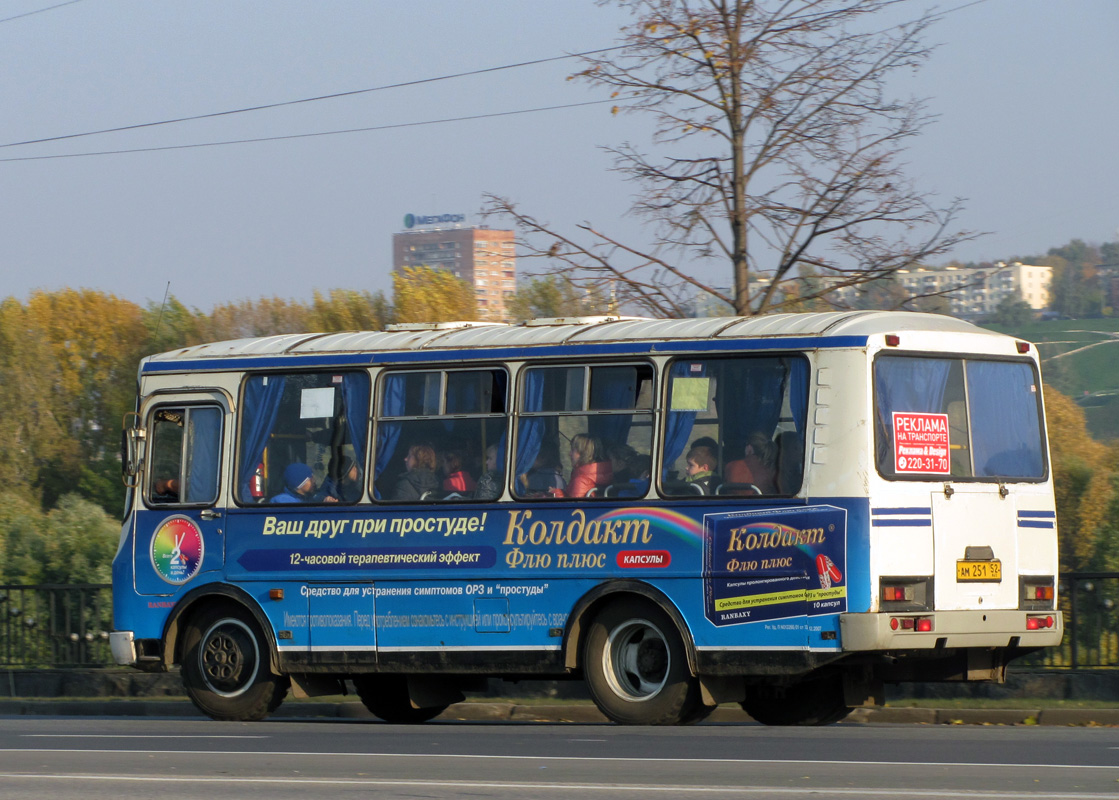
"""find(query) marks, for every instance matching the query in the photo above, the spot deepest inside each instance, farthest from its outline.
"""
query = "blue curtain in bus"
(462, 398)
(355, 400)
(203, 442)
(910, 384)
(1004, 421)
(616, 394)
(530, 430)
(678, 424)
(798, 393)
(262, 403)
(906, 384)
(749, 401)
(388, 433)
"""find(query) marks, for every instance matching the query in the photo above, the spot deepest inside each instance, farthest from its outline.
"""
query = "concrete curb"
(578, 713)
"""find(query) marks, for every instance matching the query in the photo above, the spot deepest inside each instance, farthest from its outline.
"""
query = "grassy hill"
(1081, 359)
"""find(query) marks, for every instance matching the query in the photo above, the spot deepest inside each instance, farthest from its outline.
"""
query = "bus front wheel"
(386, 697)
(636, 667)
(225, 669)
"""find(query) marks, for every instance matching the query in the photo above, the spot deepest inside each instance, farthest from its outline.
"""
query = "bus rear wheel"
(809, 702)
(225, 669)
(386, 697)
(636, 667)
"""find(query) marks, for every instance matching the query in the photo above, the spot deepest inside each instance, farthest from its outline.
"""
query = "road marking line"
(582, 787)
(139, 736)
(805, 762)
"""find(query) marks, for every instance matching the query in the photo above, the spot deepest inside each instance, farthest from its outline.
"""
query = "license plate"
(990, 571)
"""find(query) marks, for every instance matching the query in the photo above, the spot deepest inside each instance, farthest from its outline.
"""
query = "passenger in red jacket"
(590, 468)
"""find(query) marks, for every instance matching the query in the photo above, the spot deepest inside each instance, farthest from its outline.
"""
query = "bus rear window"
(957, 418)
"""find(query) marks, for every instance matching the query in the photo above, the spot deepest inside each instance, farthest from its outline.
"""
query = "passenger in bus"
(702, 460)
(621, 456)
(590, 468)
(757, 467)
(299, 484)
(489, 485)
(165, 490)
(641, 467)
(419, 476)
(347, 489)
(456, 478)
(545, 476)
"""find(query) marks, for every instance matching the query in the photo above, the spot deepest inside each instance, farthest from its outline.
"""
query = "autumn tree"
(1084, 481)
(426, 294)
(349, 310)
(553, 296)
(265, 316)
(93, 341)
(776, 144)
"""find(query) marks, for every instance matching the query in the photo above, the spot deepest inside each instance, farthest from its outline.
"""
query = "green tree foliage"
(72, 543)
(1075, 289)
(425, 294)
(22, 526)
(552, 296)
(1013, 312)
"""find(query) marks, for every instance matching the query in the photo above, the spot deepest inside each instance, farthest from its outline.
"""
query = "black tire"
(225, 666)
(386, 697)
(812, 702)
(636, 667)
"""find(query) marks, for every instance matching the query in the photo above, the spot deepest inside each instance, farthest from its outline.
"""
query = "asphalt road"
(91, 758)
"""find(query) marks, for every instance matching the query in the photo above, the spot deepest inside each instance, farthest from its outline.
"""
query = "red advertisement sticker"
(644, 558)
(921, 442)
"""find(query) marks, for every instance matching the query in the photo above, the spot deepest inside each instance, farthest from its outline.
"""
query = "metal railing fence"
(55, 625)
(68, 625)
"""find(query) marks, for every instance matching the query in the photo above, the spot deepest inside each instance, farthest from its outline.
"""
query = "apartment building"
(483, 257)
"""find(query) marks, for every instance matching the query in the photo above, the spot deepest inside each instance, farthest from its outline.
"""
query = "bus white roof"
(578, 330)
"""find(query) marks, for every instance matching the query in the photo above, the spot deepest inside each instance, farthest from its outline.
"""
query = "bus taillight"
(918, 624)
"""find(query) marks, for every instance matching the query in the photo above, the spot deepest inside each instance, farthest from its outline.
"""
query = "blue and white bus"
(784, 511)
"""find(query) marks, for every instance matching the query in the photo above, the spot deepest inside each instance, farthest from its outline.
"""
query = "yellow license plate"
(979, 571)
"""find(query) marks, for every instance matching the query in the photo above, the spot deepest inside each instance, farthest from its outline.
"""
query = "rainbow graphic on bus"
(177, 549)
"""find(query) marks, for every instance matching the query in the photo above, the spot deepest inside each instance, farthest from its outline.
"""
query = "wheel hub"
(229, 658)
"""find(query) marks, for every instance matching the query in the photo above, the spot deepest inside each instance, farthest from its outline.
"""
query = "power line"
(306, 99)
(40, 11)
(307, 135)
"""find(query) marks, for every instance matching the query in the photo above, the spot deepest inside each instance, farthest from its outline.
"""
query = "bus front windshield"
(958, 418)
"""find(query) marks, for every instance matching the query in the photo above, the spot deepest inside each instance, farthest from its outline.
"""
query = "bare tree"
(776, 147)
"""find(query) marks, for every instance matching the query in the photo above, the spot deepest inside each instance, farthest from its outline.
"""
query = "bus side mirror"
(131, 449)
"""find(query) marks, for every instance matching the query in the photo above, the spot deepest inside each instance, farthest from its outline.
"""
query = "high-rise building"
(483, 257)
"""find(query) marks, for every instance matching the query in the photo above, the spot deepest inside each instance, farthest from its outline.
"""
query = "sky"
(1025, 94)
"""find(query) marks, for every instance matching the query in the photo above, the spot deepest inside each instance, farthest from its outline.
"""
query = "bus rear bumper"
(994, 628)
(123, 645)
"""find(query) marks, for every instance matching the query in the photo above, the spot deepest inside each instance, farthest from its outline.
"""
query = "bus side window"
(735, 426)
(303, 438)
(185, 456)
(441, 436)
(584, 432)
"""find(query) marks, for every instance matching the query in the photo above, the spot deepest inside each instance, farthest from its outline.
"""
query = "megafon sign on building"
(417, 220)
